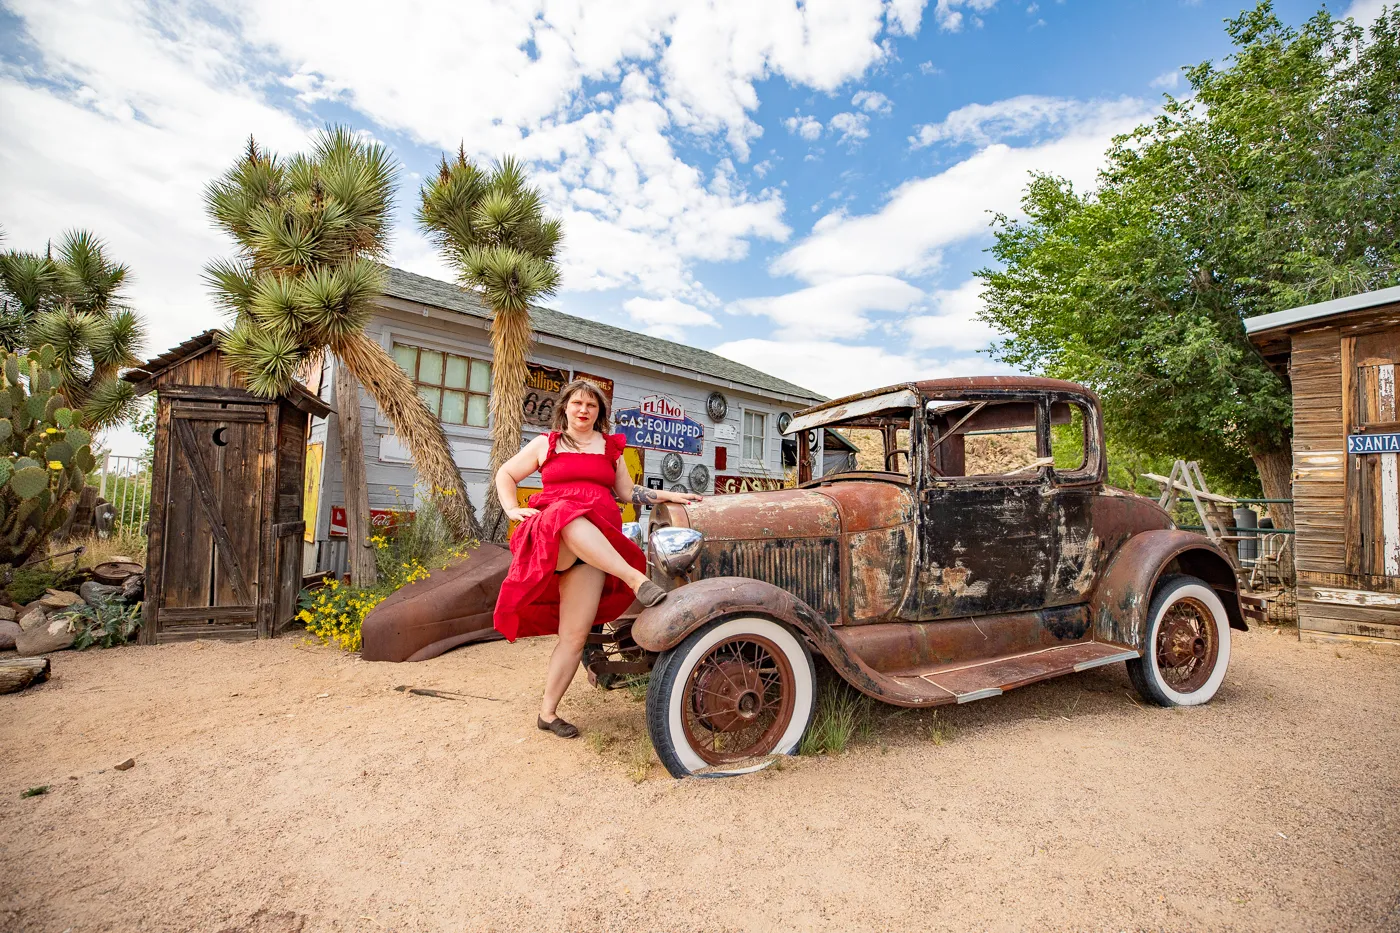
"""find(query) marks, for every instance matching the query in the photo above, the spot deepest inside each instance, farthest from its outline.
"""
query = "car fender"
(1118, 607)
(690, 606)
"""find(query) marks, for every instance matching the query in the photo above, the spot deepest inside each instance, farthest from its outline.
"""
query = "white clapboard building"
(699, 421)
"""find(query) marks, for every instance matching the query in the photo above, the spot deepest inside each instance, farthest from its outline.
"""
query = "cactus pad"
(29, 482)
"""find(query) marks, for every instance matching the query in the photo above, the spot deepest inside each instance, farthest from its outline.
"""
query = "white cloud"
(872, 102)
(928, 68)
(666, 317)
(834, 309)
(950, 17)
(851, 126)
(924, 216)
(1167, 80)
(836, 369)
(953, 325)
(1022, 116)
(1366, 11)
(809, 128)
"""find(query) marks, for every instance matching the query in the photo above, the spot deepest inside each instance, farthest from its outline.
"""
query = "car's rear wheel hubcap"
(1187, 645)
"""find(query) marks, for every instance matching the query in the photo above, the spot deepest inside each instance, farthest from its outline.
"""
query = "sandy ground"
(281, 786)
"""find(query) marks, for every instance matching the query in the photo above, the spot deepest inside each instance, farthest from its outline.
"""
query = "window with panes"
(457, 389)
(754, 423)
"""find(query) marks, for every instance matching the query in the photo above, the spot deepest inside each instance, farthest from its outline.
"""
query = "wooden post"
(352, 473)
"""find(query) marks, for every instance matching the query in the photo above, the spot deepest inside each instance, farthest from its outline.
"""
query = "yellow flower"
(50, 430)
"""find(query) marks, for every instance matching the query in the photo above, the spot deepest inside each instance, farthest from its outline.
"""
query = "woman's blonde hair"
(601, 424)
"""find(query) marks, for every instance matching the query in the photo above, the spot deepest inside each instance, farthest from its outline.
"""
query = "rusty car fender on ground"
(1118, 608)
(688, 607)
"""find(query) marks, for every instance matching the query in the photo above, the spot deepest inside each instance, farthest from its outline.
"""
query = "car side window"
(1072, 441)
(986, 439)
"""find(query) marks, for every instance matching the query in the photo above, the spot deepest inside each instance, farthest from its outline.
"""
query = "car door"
(985, 526)
(1076, 443)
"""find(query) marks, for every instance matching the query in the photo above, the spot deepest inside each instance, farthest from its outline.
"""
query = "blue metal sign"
(1373, 443)
(653, 432)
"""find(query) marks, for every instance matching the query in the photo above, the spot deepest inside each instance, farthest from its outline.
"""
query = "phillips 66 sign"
(659, 423)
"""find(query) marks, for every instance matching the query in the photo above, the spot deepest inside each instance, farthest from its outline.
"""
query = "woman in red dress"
(572, 567)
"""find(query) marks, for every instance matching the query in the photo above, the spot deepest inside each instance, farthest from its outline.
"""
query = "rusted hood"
(866, 505)
(782, 513)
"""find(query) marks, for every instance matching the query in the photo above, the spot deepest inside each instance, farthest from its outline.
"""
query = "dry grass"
(123, 543)
(986, 453)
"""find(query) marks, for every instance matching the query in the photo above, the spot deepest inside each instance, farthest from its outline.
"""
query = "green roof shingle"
(439, 294)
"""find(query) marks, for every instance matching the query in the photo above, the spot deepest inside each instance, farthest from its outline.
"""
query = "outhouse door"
(211, 553)
(1369, 364)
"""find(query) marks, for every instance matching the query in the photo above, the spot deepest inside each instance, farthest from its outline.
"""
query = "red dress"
(575, 484)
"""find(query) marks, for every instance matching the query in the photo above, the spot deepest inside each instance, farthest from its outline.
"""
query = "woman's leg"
(592, 547)
(579, 591)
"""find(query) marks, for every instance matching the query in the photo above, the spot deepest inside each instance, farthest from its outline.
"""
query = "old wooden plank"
(266, 469)
(1370, 582)
(1342, 596)
(221, 632)
(214, 613)
(216, 411)
(1331, 638)
(204, 494)
(1325, 621)
(155, 529)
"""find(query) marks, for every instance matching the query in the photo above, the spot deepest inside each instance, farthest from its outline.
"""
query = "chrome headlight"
(676, 548)
(633, 531)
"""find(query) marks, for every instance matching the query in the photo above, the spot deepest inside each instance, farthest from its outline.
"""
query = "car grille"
(809, 570)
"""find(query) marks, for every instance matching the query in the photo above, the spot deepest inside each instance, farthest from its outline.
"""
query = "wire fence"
(125, 483)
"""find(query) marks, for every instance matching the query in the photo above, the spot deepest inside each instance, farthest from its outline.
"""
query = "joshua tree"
(309, 230)
(492, 227)
(73, 301)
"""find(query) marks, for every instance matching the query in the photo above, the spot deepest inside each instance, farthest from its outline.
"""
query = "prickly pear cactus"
(45, 455)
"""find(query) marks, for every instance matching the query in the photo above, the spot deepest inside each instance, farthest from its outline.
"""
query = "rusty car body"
(922, 579)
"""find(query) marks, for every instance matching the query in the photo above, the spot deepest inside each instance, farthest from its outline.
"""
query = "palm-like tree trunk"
(412, 421)
(511, 335)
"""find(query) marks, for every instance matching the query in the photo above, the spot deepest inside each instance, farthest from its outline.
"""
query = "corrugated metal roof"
(445, 295)
(1323, 309)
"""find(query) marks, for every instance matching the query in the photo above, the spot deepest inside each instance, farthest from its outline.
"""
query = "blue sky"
(805, 188)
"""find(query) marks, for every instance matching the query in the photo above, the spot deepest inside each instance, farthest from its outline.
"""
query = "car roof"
(963, 383)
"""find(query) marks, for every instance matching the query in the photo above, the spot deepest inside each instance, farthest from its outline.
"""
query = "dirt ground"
(281, 786)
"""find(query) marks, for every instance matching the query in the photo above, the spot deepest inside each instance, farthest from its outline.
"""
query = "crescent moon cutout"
(219, 437)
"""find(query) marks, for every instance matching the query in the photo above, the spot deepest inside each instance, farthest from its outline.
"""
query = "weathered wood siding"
(1345, 505)
(1319, 452)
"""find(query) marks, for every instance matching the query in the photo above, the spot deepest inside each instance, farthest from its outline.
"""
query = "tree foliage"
(1272, 184)
(310, 231)
(491, 225)
(73, 300)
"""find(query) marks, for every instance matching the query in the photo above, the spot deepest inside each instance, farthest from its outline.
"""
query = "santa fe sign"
(659, 423)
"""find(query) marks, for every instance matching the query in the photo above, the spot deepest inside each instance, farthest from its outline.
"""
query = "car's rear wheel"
(733, 691)
(1188, 645)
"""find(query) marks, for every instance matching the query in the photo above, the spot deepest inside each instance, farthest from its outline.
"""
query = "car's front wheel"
(1188, 645)
(734, 690)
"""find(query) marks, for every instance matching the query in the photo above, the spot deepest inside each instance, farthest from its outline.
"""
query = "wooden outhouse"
(225, 535)
(1341, 357)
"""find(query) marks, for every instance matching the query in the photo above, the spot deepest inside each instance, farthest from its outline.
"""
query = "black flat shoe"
(649, 594)
(559, 727)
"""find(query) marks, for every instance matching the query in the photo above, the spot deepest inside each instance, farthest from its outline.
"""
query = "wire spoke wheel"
(1187, 645)
(739, 699)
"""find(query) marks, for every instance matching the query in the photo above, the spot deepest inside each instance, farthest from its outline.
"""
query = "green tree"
(73, 300)
(1272, 184)
(492, 227)
(309, 231)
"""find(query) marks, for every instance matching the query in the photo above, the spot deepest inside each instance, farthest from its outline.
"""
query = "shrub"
(107, 624)
(335, 612)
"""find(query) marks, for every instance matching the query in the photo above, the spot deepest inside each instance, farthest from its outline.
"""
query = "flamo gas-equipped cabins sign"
(659, 423)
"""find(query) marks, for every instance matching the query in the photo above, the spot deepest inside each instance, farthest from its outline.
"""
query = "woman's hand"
(520, 514)
(681, 497)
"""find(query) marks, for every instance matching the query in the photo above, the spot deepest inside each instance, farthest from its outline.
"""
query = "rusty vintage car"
(978, 549)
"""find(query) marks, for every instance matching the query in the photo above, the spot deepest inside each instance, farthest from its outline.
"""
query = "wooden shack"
(225, 534)
(1340, 357)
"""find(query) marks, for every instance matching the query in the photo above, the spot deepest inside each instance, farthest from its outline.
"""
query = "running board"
(991, 678)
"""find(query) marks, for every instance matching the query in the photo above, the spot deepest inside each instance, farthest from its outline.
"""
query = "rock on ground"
(59, 599)
(7, 614)
(93, 592)
(9, 631)
(40, 634)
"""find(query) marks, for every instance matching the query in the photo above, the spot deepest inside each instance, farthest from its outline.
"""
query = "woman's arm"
(513, 471)
(641, 496)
